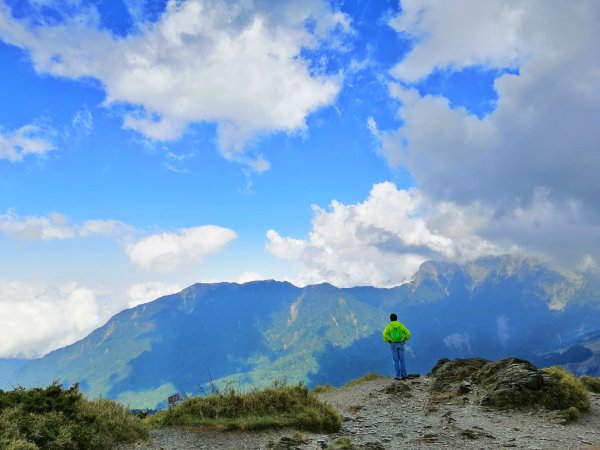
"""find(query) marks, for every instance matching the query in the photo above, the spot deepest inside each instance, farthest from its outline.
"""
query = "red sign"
(174, 398)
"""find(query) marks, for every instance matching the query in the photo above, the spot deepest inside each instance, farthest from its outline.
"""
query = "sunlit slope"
(254, 333)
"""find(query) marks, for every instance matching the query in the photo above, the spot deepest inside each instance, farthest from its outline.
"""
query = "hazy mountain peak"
(436, 276)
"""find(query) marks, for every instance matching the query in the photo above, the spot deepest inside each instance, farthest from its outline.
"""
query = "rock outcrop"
(509, 383)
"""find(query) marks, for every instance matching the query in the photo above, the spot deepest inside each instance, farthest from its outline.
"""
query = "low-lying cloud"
(36, 319)
(140, 293)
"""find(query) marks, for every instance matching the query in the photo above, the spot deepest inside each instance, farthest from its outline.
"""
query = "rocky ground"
(425, 412)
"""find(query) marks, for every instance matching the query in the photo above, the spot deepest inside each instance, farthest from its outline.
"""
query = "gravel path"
(386, 414)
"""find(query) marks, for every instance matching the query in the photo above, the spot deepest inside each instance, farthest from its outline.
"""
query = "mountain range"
(248, 335)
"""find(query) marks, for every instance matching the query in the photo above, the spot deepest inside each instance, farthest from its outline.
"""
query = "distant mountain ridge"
(8, 367)
(257, 332)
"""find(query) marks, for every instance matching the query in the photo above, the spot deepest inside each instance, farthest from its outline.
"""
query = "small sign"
(174, 398)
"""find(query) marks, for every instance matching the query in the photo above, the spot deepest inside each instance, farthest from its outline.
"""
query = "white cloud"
(174, 162)
(285, 247)
(529, 169)
(171, 251)
(27, 140)
(502, 322)
(140, 293)
(251, 276)
(461, 33)
(104, 227)
(234, 64)
(56, 226)
(382, 241)
(82, 122)
(36, 319)
(458, 341)
(48, 227)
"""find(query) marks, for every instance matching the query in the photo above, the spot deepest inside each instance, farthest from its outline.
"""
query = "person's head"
(393, 317)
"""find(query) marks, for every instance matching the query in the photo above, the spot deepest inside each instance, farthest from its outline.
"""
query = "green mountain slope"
(251, 334)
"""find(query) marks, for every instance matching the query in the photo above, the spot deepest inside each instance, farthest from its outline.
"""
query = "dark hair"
(393, 317)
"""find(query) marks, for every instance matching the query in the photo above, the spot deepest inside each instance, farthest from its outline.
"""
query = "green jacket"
(404, 333)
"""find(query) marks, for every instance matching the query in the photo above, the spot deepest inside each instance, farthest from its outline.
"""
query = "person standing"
(396, 334)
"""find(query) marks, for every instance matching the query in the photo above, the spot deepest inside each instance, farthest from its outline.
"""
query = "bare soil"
(388, 414)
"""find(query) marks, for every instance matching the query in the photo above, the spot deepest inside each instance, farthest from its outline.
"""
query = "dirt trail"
(388, 414)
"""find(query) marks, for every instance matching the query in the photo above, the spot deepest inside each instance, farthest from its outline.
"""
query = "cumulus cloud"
(383, 240)
(27, 140)
(56, 226)
(542, 133)
(141, 293)
(170, 251)
(530, 166)
(238, 65)
(36, 319)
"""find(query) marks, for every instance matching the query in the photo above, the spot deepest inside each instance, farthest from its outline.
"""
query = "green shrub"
(109, 423)
(570, 414)
(43, 400)
(9, 429)
(276, 407)
(54, 418)
(566, 391)
(591, 383)
(21, 445)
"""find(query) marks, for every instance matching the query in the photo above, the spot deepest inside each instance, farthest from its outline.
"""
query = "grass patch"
(275, 407)
(342, 443)
(58, 418)
(323, 388)
(566, 392)
(368, 377)
(591, 383)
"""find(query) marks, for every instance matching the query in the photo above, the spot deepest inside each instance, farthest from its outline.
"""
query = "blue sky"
(148, 145)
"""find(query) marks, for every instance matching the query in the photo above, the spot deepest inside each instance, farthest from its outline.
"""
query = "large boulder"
(510, 383)
(450, 375)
